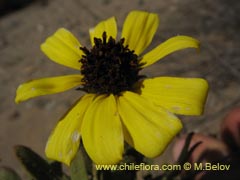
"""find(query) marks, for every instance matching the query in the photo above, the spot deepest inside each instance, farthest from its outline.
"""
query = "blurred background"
(25, 24)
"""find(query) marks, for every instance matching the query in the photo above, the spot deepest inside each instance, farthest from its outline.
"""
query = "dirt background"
(215, 23)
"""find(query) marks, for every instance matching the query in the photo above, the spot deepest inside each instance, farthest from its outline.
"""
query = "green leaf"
(38, 167)
(8, 174)
(183, 157)
(187, 151)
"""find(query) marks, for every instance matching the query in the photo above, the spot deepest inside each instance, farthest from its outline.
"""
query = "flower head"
(119, 104)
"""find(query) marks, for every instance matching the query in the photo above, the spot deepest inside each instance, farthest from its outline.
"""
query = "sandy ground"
(214, 23)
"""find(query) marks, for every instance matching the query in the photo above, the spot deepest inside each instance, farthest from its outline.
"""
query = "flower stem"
(78, 168)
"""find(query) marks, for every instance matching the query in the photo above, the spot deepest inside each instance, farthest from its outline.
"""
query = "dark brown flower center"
(109, 67)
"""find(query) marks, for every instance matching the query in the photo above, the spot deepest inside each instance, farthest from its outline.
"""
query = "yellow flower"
(119, 104)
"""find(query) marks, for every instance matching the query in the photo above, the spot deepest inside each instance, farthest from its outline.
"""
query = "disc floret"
(109, 67)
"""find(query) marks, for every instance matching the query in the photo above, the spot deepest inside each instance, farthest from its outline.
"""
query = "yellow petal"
(171, 45)
(139, 29)
(151, 127)
(185, 96)
(109, 26)
(102, 131)
(63, 48)
(64, 141)
(44, 86)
